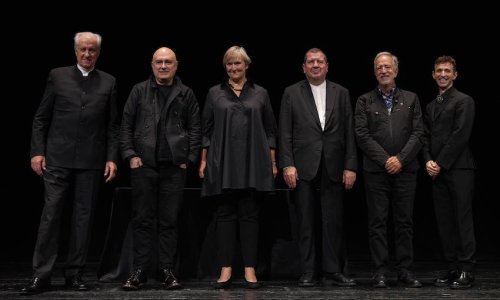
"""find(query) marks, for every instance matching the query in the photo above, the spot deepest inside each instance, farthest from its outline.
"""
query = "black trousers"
(58, 183)
(237, 207)
(332, 204)
(383, 190)
(156, 196)
(453, 192)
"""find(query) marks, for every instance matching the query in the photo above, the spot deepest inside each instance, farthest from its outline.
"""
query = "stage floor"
(14, 276)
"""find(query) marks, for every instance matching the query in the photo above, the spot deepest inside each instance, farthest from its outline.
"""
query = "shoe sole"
(132, 288)
(460, 287)
(173, 287)
(307, 284)
(344, 284)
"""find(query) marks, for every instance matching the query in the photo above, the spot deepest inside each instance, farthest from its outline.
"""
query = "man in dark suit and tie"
(448, 125)
(74, 143)
(317, 147)
(389, 129)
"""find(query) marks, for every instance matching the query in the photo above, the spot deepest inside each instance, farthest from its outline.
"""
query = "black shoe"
(169, 280)
(135, 281)
(307, 280)
(36, 285)
(447, 278)
(409, 280)
(223, 284)
(464, 281)
(76, 283)
(379, 280)
(339, 279)
(252, 285)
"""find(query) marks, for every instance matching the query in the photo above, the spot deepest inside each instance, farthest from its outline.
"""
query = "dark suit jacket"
(77, 122)
(302, 141)
(381, 135)
(140, 121)
(448, 127)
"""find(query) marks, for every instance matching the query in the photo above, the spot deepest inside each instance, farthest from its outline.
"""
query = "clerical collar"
(84, 72)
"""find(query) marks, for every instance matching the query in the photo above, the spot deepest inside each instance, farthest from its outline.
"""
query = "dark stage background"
(276, 43)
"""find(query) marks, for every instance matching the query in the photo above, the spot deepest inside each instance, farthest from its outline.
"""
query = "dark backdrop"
(276, 42)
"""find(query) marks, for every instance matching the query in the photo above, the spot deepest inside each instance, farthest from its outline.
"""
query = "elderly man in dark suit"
(317, 147)
(389, 129)
(74, 141)
(449, 161)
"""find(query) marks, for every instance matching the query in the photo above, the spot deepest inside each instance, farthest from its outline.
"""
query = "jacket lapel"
(331, 95)
(309, 101)
(439, 107)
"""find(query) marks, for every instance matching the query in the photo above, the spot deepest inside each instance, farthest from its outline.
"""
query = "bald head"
(164, 65)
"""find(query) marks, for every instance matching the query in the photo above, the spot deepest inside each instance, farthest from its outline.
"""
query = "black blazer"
(448, 127)
(141, 115)
(381, 135)
(302, 141)
(77, 122)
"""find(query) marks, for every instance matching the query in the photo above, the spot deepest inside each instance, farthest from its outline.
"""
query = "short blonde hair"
(236, 51)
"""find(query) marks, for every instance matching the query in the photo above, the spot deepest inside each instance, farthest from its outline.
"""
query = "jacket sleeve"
(459, 138)
(426, 140)
(127, 128)
(113, 130)
(351, 156)
(42, 119)
(414, 143)
(269, 122)
(371, 148)
(193, 127)
(207, 120)
(285, 131)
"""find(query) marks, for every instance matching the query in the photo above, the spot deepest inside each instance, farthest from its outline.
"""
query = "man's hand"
(290, 175)
(38, 164)
(433, 169)
(110, 171)
(393, 165)
(348, 179)
(201, 169)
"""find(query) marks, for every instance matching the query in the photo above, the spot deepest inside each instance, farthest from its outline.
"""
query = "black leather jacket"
(141, 115)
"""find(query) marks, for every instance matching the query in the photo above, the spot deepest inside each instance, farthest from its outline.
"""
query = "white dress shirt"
(319, 93)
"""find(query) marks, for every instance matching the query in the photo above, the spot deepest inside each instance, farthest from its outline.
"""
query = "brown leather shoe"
(36, 285)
